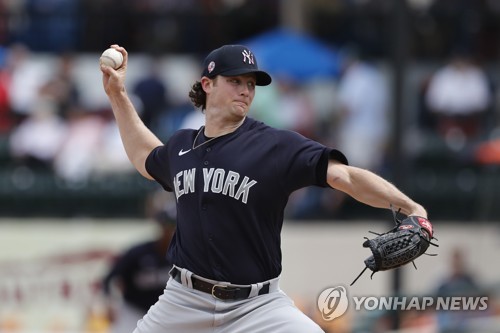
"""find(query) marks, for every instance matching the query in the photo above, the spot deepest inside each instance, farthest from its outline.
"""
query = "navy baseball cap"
(233, 60)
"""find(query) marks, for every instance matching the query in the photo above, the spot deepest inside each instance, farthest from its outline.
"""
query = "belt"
(220, 291)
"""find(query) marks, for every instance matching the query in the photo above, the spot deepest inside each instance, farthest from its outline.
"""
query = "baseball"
(111, 58)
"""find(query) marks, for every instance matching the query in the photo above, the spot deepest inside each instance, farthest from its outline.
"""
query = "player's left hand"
(407, 241)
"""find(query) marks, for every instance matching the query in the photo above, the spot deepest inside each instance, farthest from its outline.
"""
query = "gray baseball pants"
(186, 310)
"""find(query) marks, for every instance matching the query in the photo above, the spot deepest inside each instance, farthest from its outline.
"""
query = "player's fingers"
(123, 51)
(106, 69)
(111, 79)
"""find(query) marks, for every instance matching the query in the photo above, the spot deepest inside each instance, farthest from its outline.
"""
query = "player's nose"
(245, 91)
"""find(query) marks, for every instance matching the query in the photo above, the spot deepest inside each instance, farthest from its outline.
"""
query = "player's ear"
(206, 84)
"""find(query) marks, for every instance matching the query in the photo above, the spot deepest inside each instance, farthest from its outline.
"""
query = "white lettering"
(244, 189)
(218, 180)
(414, 304)
(358, 302)
(207, 175)
(469, 303)
(177, 185)
(399, 303)
(374, 302)
(189, 180)
(443, 303)
(427, 301)
(386, 303)
(215, 181)
(230, 184)
(455, 303)
(484, 303)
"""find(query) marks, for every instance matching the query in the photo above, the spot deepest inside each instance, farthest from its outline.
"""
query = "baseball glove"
(407, 241)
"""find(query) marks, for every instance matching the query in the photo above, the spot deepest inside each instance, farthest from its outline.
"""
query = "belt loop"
(186, 278)
(254, 291)
(274, 284)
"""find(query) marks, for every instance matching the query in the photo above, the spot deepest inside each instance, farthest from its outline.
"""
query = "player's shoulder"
(280, 134)
(180, 137)
(263, 129)
(184, 133)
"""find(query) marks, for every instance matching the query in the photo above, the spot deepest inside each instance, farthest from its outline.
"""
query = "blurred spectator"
(459, 282)
(265, 105)
(363, 119)
(90, 147)
(61, 88)
(152, 92)
(458, 98)
(294, 110)
(140, 274)
(37, 140)
(110, 157)
(27, 76)
(51, 25)
(77, 154)
(286, 105)
(6, 121)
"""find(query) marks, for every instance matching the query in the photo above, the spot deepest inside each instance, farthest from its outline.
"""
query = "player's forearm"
(371, 189)
(137, 139)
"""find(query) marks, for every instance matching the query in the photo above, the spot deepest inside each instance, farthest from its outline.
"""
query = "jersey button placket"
(207, 150)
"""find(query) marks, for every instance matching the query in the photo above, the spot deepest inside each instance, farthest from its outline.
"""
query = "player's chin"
(241, 109)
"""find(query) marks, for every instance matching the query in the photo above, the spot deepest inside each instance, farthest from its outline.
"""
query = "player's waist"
(223, 290)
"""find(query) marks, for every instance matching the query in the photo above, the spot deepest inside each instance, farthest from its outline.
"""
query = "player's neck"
(217, 127)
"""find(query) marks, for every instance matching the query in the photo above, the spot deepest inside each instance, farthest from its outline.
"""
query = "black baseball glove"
(407, 241)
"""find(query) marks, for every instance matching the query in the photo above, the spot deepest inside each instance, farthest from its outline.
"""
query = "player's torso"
(231, 193)
(238, 168)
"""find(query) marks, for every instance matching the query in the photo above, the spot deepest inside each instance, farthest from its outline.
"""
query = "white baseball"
(111, 58)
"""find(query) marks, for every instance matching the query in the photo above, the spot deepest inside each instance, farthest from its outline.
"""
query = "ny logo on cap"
(248, 55)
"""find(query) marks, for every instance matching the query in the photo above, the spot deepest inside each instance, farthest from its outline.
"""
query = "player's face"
(233, 94)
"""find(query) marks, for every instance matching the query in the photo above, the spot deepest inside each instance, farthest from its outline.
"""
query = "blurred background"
(406, 88)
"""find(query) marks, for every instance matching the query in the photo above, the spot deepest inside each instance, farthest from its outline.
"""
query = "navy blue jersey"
(231, 194)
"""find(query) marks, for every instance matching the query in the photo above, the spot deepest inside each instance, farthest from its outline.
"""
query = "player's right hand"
(114, 80)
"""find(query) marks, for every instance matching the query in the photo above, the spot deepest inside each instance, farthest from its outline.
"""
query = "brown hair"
(198, 96)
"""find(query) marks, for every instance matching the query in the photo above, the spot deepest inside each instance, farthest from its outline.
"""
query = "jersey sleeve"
(302, 161)
(158, 167)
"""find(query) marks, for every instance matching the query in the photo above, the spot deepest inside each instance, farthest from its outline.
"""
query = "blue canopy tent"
(284, 52)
